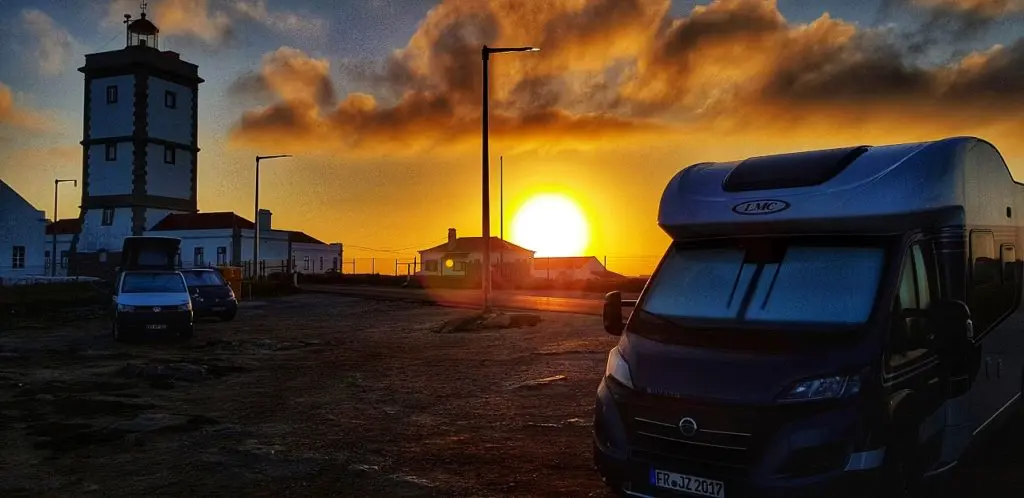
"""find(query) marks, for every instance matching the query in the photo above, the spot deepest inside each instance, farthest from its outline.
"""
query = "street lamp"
(256, 216)
(53, 227)
(485, 55)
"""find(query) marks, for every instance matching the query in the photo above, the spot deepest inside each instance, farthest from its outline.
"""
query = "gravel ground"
(317, 395)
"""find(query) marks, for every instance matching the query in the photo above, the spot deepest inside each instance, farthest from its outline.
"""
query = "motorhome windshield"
(767, 281)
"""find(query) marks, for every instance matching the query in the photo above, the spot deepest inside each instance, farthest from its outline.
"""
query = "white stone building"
(452, 258)
(23, 249)
(139, 173)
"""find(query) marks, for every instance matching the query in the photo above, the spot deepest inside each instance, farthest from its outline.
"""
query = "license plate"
(689, 484)
(156, 327)
(218, 308)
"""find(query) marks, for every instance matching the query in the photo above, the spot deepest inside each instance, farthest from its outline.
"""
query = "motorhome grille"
(801, 169)
(655, 439)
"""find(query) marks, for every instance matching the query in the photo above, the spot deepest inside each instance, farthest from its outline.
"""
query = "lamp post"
(256, 216)
(485, 55)
(501, 197)
(53, 252)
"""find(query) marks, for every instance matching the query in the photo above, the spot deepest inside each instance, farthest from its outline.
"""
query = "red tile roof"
(67, 226)
(476, 244)
(202, 221)
(563, 263)
(303, 238)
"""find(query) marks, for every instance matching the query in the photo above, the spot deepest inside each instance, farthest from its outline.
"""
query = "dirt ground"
(317, 395)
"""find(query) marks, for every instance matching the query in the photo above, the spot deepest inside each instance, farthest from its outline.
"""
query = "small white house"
(22, 235)
(65, 230)
(569, 268)
(452, 258)
(224, 238)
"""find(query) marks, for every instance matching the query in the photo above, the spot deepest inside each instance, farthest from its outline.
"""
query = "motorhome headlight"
(618, 369)
(836, 386)
(125, 308)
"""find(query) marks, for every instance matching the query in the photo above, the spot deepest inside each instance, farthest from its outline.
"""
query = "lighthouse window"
(111, 152)
(170, 100)
(168, 154)
(112, 94)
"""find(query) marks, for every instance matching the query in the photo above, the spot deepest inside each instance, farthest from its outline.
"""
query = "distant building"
(453, 258)
(66, 231)
(23, 249)
(140, 171)
(224, 238)
(140, 144)
(571, 268)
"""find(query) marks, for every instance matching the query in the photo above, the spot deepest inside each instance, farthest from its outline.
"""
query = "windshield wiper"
(663, 319)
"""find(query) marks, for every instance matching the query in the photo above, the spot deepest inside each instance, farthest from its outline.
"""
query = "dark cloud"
(618, 70)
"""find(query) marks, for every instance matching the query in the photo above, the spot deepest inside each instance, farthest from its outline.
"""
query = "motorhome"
(825, 323)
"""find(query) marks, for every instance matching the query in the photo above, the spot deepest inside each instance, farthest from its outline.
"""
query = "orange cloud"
(622, 70)
(19, 117)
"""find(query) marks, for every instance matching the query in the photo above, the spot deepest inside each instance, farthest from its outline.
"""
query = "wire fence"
(399, 266)
(642, 265)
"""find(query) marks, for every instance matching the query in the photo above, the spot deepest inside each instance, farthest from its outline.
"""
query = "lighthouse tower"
(139, 148)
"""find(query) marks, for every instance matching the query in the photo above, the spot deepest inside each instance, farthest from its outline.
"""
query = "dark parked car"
(211, 294)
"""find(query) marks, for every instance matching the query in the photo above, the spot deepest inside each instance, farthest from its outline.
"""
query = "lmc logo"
(762, 206)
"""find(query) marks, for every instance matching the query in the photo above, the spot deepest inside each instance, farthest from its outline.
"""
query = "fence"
(391, 266)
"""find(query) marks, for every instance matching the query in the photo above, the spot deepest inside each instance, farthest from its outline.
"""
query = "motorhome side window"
(909, 337)
(991, 294)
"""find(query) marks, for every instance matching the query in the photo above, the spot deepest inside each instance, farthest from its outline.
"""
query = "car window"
(202, 278)
(134, 283)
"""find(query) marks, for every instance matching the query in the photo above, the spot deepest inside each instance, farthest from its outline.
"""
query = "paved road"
(570, 302)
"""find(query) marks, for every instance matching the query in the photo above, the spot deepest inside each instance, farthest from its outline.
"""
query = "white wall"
(63, 245)
(169, 124)
(110, 177)
(112, 120)
(584, 273)
(21, 224)
(208, 240)
(168, 180)
(496, 257)
(95, 236)
(273, 245)
(316, 252)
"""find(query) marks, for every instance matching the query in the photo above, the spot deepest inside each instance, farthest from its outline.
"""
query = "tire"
(901, 479)
(116, 332)
(187, 332)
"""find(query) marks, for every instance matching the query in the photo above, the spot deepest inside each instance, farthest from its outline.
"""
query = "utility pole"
(256, 215)
(485, 56)
(501, 197)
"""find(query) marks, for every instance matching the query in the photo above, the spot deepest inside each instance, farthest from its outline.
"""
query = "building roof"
(476, 244)
(202, 221)
(67, 226)
(563, 263)
(303, 238)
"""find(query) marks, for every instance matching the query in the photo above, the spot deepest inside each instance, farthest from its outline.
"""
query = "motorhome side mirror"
(612, 313)
(951, 320)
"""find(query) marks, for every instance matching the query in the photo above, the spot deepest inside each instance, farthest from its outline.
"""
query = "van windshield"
(152, 282)
(767, 281)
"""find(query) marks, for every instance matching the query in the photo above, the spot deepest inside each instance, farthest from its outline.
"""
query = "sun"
(552, 225)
